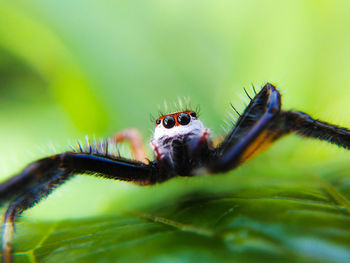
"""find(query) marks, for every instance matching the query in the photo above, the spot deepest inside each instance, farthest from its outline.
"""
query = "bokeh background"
(75, 68)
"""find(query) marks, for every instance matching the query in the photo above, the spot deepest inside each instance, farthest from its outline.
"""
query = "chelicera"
(182, 147)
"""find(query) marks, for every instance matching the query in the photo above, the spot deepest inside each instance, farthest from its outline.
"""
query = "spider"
(181, 146)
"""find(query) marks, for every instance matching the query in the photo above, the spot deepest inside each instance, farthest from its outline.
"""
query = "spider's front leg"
(252, 133)
(262, 123)
(38, 179)
(304, 125)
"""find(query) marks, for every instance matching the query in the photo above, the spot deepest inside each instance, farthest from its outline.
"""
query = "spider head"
(178, 126)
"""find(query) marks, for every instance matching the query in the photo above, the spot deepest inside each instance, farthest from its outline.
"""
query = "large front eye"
(168, 122)
(184, 118)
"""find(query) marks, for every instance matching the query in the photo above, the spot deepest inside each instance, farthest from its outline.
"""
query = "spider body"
(181, 145)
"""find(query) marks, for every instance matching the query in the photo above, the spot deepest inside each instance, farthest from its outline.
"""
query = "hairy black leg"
(304, 125)
(251, 133)
(7, 232)
(23, 202)
(111, 168)
(266, 102)
(33, 175)
(262, 123)
(38, 180)
(78, 163)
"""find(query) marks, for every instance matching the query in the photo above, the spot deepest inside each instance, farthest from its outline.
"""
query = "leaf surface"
(256, 219)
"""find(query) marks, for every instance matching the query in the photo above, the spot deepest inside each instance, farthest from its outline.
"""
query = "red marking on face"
(205, 136)
(176, 117)
(155, 149)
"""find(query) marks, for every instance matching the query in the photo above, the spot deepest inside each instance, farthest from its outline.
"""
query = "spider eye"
(193, 114)
(158, 121)
(169, 122)
(183, 118)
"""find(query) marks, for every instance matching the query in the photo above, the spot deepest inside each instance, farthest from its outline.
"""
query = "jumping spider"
(181, 145)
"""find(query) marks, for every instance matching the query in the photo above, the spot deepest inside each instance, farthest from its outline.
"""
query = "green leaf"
(249, 218)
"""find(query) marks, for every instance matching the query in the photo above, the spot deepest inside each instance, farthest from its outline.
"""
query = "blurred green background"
(75, 68)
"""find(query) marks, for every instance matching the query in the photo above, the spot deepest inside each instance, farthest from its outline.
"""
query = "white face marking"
(163, 137)
(195, 127)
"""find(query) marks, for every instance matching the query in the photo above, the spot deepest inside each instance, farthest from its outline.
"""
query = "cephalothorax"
(182, 147)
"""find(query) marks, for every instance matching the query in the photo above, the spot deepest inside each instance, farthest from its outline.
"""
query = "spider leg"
(304, 125)
(252, 132)
(262, 123)
(7, 233)
(22, 203)
(8, 229)
(134, 137)
(38, 180)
